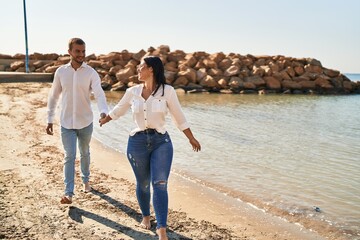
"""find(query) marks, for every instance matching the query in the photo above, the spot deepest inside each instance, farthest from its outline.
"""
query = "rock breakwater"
(204, 72)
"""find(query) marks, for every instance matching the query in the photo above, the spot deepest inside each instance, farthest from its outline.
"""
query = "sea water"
(295, 156)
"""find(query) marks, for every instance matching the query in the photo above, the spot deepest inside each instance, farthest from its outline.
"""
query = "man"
(74, 82)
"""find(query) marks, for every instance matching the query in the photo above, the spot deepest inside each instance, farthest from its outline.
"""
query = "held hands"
(104, 119)
(102, 115)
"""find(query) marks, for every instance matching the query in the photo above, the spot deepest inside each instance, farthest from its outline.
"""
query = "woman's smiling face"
(144, 71)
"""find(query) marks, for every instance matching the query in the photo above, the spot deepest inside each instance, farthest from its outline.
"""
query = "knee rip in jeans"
(161, 183)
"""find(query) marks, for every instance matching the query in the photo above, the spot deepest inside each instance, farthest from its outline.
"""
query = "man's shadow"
(134, 214)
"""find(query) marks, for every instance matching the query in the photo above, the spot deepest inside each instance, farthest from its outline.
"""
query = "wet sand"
(31, 185)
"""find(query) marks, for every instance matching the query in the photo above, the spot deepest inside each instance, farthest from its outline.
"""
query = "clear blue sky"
(328, 30)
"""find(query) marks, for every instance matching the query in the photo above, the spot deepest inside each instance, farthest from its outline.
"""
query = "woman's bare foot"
(161, 232)
(145, 223)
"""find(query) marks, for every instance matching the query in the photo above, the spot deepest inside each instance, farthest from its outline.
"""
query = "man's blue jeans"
(150, 156)
(69, 138)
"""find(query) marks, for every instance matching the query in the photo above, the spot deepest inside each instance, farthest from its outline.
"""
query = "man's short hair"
(78, 41)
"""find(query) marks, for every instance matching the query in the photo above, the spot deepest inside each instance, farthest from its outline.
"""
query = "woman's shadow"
(76, 214)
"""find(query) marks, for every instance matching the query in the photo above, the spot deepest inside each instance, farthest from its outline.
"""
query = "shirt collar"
(83, 65)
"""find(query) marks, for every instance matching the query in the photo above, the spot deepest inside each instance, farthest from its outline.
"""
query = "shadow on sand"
(76, 214)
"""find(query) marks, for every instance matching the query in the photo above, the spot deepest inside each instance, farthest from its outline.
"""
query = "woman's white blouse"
(151, 113)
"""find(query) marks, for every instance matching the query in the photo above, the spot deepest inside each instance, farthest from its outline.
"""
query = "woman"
(150, 150)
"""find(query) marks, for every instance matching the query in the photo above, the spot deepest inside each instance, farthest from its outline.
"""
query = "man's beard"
(77, 61)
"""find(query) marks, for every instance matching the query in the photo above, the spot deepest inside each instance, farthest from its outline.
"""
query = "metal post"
(26, 40)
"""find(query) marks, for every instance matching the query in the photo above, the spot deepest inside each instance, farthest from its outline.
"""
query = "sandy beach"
(31, 184)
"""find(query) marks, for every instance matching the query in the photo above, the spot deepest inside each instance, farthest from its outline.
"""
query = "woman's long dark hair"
(158, 70)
